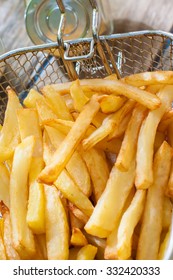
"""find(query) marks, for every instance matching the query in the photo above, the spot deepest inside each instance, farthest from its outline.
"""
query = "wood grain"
(128, 15)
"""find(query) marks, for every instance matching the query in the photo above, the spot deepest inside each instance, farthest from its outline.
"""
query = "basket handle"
(66, 46)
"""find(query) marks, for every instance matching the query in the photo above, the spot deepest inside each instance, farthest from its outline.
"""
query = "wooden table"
(127, 15)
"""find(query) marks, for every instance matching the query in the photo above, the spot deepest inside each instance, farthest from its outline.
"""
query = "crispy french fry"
(44, 110)
(9, 137)
(36, 206)
(68, 146)
(129, 143)
(71, 191)
(31, 99)
(57, 103)
(98, 119)
(11, 253)
(23, 238)
(29, 125)
(87, 252)
(107, 126)
(98, 169)
(78, 96)
(69, 102)
(120, 128)
(76, 166)
(57, 230)
(78, 238)
(128, 223)
(150, 78)
(63, 126)
(110, 204)
(152, 219)
(111, 252)
(145, 146)
(111, 103)
(4, 185)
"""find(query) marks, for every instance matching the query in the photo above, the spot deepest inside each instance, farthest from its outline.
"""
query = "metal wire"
(123, 54)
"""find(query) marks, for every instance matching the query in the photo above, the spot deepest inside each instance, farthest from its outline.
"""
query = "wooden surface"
(128, 15)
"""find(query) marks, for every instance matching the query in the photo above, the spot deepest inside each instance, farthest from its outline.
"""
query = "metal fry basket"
(96, 57)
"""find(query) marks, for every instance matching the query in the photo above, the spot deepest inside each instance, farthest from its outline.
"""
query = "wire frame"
(123, 54)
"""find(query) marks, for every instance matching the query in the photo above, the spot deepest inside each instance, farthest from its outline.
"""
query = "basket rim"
(55, 45)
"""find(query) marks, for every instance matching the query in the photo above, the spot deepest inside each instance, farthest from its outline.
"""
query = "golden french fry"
(22, 236)
(107, 126)
(11, 253)
(29, 125)
(69, 102)
(72, 192)
(110, 252)
(120, 128)
(36, 208)
(4, 185)
(128, 223)
(9, 137)
(167, 213)
(98, 119)
(78, 96)
(110, 204)
(111, 103)
(63, 126)
(68, 146)
(44, 110)
(87, 252)
(57, 230)
(78, 238)
(98, 169)
(150, 78)
(57, 103)
(129, 143)
(31, 99)
(152, 220)
(76, 166)
(145, 146)
(118, 87)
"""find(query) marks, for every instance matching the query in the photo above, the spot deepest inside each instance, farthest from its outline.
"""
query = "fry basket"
(95, 57)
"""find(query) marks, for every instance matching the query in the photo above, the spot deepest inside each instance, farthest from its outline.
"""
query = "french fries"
(86, 170)
(57, 230)
(50, 173)
(145, 146)
(152, 221)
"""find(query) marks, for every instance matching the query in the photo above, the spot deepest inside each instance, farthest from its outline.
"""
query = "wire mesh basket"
(123, 54)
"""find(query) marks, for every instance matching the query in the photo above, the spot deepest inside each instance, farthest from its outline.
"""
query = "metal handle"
(66, 46)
